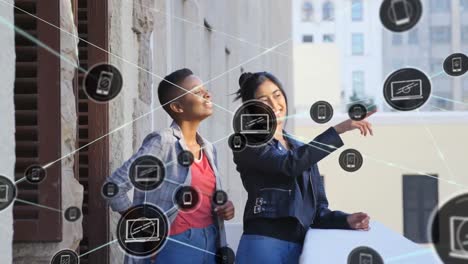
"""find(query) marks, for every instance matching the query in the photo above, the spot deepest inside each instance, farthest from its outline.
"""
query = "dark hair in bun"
(249, 83)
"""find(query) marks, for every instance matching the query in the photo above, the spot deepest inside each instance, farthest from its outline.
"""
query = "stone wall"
(72, 191)
(7, 133)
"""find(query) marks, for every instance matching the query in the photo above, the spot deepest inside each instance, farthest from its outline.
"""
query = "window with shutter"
(37, 114)
(93, 160)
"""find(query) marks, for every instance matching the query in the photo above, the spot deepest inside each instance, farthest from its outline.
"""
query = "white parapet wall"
(7, 133)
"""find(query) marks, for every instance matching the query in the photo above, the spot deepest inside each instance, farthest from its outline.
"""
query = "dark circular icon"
(357, 112)
(7, 192)
(185, 158)
(147, 173)
(225, 255)
(72, 214)
(456, 64)
(187, 198)
(220, 197)
(237, 142)
(321, 112)
(400, 15)
(35, 174)
(350, 160)
(364, 255)
(102, 83)
(256, 121)
(448, 228)
(110, 189)
(65, 256)
(142, 230)
(407, 89)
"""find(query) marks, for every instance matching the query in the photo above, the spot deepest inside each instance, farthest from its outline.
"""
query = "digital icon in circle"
(364, 255)
(142, 230)
(350, 160)
(147, 173)
(225, 255)
(321, 112)
(102, 83)
(407, 89)
(110, 189)
(35, 174)
(187, 198)
(237, 142)
(65, 256)
(357, 112)
(72, 213)
(256, 121)
(185, 158)
(7, 192)
(220, 197)
(449, 230)
(456, 64)
(400, 15)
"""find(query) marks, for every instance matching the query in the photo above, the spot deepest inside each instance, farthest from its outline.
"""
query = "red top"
(203, 180)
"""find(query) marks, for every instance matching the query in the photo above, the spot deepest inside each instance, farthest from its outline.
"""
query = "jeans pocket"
(188, 234)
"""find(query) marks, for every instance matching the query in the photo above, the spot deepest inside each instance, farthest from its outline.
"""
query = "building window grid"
(357, 43)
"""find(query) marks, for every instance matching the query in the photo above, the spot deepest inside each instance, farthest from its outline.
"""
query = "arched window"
(328, 11)
(307, 11)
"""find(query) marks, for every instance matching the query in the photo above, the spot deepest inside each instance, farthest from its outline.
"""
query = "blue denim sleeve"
(326, 218)
(151, 145)
(293, 162)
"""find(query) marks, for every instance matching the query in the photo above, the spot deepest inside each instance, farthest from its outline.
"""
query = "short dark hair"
(168, 90)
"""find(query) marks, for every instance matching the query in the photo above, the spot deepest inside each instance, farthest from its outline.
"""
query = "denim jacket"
(270, 174)
(165, 145)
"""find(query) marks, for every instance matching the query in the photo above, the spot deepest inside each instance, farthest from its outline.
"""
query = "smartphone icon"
(322, 112)
(104, 83)
(400, 12)
(365, 258)
(357, 112)
(457, 64)
(65, 259)
(237, 142)
(351, 160)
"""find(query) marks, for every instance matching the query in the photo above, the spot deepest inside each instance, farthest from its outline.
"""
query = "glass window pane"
(356, 10)
(357, 42)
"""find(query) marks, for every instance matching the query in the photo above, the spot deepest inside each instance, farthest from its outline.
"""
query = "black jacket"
(284, 184)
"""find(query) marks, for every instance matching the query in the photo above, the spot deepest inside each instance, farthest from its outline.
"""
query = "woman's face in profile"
(271, 94)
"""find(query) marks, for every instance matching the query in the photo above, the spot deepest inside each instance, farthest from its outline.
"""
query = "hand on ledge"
(359, 221)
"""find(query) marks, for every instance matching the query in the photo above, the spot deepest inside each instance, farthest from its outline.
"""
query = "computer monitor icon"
(142, 230)
(458, 239)
(147, 173)
(406, 90)
(255, 123)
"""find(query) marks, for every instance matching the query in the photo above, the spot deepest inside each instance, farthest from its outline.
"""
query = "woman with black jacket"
(285, 193)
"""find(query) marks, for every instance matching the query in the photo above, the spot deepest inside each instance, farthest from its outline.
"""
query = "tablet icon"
(72, 214)
(185, 158)
(4, 193)
(357, 112)
(237, 142)
(456, 64)
(350, 160)
(65, 256)
(7, 192)
(187, 198)
(365, 258)
(400, 15)
(110, 189)
(321, 112)
(364, 255)
(220, 197)
(35, 174)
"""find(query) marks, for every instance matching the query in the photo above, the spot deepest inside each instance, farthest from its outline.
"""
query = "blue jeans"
(263, 249)
(196, 245)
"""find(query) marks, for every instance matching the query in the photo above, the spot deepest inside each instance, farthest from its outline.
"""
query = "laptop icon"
(142, 230)
(255, 123)
(458, 239)
(406, 90)
(147, 173)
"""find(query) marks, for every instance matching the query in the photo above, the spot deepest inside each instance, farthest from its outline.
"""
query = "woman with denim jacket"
(285, 193)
